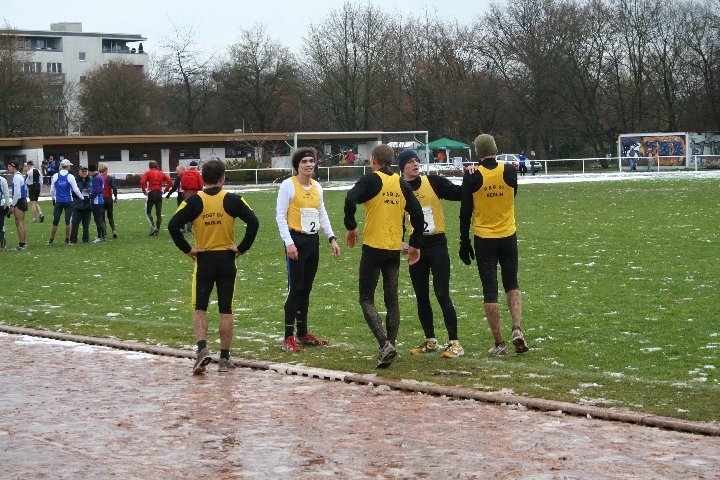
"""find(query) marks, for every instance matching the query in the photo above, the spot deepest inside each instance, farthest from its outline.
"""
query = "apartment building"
(66, 53)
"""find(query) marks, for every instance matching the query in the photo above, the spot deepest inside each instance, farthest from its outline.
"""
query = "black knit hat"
(405, 156)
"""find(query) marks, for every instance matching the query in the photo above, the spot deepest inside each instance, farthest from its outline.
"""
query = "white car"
(512, 158)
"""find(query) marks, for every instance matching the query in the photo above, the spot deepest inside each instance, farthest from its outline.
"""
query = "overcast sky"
(216, 24)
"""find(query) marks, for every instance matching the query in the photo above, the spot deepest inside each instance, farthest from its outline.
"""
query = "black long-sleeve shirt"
(368, 187)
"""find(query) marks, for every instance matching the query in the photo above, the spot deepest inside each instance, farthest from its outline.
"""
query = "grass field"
(620, 296)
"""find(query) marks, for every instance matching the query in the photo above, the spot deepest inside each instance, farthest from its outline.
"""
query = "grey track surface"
(84, 410)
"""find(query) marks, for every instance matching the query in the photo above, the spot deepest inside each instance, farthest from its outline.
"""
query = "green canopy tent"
(448, 144)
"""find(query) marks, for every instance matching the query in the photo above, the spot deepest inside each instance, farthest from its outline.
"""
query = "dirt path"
(71, 410)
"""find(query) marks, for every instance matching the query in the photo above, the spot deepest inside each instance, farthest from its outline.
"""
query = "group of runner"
(487, 202)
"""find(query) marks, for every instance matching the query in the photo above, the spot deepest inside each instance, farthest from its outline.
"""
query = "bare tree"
(260, 86)
(185, 75)
(347, 57)
(703, 56)
(524, 41)
(118, 99)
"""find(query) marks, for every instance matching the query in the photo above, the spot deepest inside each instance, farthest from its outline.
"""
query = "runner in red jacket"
(152, 187)
(191, 181)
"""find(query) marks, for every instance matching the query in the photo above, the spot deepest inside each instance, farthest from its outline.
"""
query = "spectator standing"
(62, 188)
(33, 178)
(534, 164)
(213, 212)
(46, 177)
(152, 183)
(52, 168)
(4, 209)
(351, 157)
(18, 201)
(522, 163)
(299, 213)
(429, 190)
(109, 197)
(82, 209)
(488, 202)
(386, 198)
(97, 201)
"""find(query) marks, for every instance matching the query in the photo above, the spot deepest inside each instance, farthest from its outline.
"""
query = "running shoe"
(114, 234)
(290, 346)
(387, 355)
(152, 231)
(454, 349)
(225, 364)
(428, 346)
(42, 218)
(498, 350)
(202, 360)
(519, 341)
(310, 339)
(20, 248)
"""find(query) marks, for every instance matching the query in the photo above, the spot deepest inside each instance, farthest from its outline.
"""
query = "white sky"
(216, 23)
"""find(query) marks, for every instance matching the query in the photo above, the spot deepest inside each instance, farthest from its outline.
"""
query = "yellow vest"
(214, 228)
(303, 215)
(494, 205)
(432, 208)
(384, 215)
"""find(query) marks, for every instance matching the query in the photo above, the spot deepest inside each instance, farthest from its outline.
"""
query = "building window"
(54, 67)
(81, 56)
(109, 156)
(32, 67)
(189, 153)
(141, 155)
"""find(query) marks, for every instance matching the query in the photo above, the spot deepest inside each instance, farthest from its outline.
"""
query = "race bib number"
(429, 220)
(309, 220)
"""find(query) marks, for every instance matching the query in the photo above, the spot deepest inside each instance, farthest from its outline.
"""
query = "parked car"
(512, 158)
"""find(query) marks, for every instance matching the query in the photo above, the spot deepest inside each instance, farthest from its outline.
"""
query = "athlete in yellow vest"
(435, 258)
(488, 200)
(213, 212)
(300, 214)
(386, 198)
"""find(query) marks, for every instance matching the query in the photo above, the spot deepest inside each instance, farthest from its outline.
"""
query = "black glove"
(168, 195)
(53, 202)
(466, 251)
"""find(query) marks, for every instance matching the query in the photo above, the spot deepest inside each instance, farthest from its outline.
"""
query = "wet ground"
(72, 411)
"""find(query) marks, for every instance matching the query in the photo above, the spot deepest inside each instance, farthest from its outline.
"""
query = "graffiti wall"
(705, 148)
(669, 150)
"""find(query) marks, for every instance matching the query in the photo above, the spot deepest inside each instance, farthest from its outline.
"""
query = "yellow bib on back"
(214, 228)
(494, 205)
(384, 215)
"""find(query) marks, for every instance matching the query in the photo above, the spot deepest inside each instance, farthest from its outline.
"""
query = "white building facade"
(65, 54)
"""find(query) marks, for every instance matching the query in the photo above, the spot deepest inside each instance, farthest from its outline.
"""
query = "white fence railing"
(561, 166)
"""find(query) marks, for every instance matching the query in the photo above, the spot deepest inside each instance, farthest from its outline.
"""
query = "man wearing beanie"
(488, 199)
(299, 213)
(435, 258)
(386, 198)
